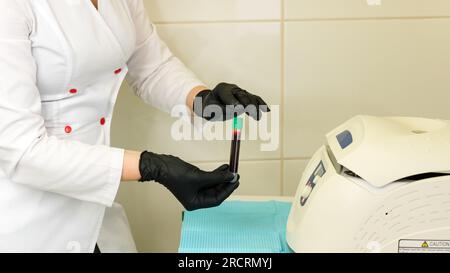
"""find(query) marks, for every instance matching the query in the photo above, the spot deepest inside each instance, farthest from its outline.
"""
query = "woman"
(62, 63)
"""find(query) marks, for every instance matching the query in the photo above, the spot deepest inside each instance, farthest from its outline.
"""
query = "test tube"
(235, 147)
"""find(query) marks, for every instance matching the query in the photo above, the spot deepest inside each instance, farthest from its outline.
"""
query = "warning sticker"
(424, 246)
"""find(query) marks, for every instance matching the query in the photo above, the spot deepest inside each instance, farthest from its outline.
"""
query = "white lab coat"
(62, 63)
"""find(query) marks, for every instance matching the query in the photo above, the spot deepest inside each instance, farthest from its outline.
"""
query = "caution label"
(423, 246)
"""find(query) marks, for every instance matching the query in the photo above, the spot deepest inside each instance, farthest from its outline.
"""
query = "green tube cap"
(238, 123)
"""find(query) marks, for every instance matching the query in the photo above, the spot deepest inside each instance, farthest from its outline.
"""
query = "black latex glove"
(194, 188)
(232, 96)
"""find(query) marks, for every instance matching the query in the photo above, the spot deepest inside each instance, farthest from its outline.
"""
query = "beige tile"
(212, 10)
(245, 54)
(335, 70)
(301, 9)
(257, 177)
(155, 215)
(292, 173)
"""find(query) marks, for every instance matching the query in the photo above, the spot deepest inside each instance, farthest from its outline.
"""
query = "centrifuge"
(379, 184)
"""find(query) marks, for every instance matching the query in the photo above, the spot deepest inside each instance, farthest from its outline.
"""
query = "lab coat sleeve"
(28, 156)
(155, 74)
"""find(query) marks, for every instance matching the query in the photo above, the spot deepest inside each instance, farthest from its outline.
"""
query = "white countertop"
(261, 198)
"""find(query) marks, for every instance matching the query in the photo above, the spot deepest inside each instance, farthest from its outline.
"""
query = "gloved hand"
(232, 96)
(194, 188)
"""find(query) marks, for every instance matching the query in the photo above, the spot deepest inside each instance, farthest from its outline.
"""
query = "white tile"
(245, 54)
(292, 173)
(212, 10)
(257, 177)
(335, 70)
(309, 9)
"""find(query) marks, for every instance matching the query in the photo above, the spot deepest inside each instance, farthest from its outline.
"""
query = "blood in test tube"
(235, 147)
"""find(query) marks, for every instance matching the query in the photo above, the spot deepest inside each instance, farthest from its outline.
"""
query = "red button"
(73, 91)
(68, 129)
(102, 121)
(117, 71)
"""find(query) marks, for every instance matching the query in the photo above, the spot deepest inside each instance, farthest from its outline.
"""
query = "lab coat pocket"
(49, 111)
(52, 113)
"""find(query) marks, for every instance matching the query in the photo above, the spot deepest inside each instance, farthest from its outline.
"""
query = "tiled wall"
(323, 61)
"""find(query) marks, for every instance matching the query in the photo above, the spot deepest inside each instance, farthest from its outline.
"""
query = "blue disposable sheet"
(236, 227)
